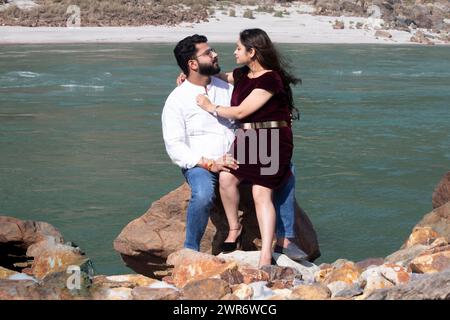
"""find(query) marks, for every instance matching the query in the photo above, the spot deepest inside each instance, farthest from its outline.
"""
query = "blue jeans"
(203, 184)
(284, 202)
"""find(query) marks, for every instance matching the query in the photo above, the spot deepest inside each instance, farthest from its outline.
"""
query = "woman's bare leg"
(265, 212)
(229, 192)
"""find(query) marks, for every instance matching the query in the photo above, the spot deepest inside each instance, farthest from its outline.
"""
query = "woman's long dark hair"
(269, 58)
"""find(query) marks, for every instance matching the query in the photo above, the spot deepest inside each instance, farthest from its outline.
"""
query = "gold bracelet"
(209, 165)
(215, 114)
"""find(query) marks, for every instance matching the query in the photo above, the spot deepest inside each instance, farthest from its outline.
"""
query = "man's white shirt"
(190, 132)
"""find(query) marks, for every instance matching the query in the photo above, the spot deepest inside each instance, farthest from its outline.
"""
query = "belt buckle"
(264, 125)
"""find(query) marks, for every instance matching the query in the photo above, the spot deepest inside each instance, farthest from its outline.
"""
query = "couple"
(199, 120)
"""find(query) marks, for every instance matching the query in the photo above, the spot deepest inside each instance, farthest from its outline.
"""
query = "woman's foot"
(231, 242)
(234, 233)
(266, 260)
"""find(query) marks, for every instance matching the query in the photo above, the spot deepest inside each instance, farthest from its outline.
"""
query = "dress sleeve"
(237, 74)
(270, 81)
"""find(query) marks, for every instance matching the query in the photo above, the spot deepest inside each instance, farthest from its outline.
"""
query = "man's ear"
(193, 65)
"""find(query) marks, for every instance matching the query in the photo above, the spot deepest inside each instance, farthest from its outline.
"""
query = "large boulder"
(37, 248)
(17, 236)
(190, 265)
(434, 260)
(146, 242)
(341, 278)
(25, 232)
(441, 194)
(432, 231)
(404, 257)
(435, 286)
(384, 276)
(421, 235)
(206, 289)
(438, 221)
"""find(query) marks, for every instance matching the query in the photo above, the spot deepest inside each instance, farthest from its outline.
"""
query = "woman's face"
(242, 55)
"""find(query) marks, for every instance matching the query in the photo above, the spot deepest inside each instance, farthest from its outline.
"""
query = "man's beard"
(208, 69)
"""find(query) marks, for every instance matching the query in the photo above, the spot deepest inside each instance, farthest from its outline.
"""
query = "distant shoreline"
(296, 28)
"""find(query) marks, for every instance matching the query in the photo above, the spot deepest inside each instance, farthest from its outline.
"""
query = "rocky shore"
(36, 263)
(396, 14)
(431, 19)
(313, 21)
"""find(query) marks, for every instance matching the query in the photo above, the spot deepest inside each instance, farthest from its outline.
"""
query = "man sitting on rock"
(198, 142)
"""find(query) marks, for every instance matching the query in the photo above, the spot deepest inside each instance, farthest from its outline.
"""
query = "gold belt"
(263, 125)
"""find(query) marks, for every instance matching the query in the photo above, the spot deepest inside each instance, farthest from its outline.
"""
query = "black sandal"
(232, 246)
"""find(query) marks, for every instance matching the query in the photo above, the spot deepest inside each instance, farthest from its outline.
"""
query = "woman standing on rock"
(262, 102)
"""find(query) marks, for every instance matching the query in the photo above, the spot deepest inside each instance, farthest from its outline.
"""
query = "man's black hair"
(185, 50)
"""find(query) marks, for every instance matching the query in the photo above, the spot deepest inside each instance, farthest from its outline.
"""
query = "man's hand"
(181, 79)
(225, 163)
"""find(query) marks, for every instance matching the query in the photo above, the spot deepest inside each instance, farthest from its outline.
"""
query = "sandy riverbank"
(298, 27)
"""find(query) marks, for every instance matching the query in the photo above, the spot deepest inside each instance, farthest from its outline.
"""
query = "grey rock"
(145, 293)
(261, 291)
(404, 256)
(349, 292)
(427, 287)
(343, 289)
(206, 289)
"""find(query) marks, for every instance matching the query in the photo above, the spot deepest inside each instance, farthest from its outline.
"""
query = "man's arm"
(174, 134)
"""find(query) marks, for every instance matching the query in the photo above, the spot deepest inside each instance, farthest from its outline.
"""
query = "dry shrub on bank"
(108, 13)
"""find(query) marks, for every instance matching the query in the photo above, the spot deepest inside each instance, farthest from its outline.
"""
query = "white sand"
(298, 27)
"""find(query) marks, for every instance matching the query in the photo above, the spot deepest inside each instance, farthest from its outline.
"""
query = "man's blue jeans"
(203, 184)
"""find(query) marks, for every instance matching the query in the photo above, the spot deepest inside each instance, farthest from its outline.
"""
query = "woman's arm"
(226, 76)
(255, 100)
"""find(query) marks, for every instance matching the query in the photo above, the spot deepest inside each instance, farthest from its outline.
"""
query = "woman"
(262, 101)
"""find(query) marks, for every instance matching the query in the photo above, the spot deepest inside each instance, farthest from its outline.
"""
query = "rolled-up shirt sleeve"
(174, 135)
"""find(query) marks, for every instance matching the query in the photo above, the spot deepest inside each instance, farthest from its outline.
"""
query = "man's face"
(208, 60)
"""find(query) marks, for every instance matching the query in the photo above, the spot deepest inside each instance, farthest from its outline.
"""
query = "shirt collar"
(208, 86)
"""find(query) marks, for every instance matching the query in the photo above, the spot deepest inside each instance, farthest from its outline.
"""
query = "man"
(198, 142)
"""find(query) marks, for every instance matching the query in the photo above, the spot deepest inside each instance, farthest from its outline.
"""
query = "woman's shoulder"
(270, 81)
(239, 72)
(271, 74)
(241, 69)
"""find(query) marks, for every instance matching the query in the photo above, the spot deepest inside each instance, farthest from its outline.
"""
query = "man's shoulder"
(176, 95)
(177, 91)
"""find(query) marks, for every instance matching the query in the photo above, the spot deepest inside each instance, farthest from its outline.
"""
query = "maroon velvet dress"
(276, 109)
